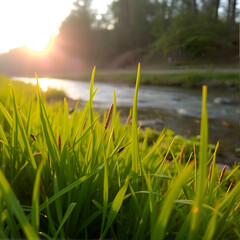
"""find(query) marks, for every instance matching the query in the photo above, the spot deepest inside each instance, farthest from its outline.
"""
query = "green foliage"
(195, 36)
(75, 177)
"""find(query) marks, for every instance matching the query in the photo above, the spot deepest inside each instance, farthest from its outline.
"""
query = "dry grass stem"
(108, 116)
(33, 137)
(210, 171)
(59, 142)
(222, 174)
(181, 154)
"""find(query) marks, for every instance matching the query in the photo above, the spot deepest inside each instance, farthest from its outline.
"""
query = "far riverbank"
(217, 78)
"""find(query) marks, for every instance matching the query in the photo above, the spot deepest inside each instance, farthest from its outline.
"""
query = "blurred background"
(71, 36)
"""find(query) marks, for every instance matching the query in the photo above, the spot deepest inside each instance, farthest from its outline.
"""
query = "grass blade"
(65, 218)
(35, 198)
(135, 147)
(202, 167)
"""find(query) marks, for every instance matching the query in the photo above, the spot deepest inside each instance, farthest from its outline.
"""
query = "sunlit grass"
(74, 176)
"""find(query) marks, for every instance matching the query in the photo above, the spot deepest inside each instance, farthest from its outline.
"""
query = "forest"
(174, 30)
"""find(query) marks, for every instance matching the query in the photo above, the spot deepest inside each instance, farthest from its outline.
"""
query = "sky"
(32, 23)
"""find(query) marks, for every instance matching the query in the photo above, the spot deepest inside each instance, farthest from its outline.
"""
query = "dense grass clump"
(72, 176)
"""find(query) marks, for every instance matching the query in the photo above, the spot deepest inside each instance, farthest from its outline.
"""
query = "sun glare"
(38, 43)
(44, 84)
(30, 23)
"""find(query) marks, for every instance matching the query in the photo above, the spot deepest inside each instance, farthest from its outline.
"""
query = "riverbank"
(220, 78)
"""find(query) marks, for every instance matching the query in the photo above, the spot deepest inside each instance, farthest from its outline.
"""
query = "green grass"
(74, 176)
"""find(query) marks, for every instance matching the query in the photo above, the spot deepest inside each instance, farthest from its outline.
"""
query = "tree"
(75, 34)
(132, 23)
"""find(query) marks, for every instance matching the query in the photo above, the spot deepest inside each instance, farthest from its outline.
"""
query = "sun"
(30, 23)
(37, 43)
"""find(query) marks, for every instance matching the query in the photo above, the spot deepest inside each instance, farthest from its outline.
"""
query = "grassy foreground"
(75, 177)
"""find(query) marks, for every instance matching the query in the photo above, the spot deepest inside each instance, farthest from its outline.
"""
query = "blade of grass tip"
(13, 203)
(202, 167)
(167, 206)
(116, 205)
(23, 132)
(114, 109)
(35, 198)
(65, 218)
(135, 147)
(91, 95)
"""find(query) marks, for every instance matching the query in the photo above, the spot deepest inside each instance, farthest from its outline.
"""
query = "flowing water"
(176, 108)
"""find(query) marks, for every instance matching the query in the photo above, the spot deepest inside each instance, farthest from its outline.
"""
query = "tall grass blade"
(202, 167)
(91, 95)
(65, 218)
(135, 147)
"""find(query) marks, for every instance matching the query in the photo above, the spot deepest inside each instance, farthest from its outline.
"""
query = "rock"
(226, 124)
(155, 123)
(176, 99)
(223, 100)
(197, 121)
(182, 111)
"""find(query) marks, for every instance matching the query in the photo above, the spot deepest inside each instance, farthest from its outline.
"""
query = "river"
(176, 108)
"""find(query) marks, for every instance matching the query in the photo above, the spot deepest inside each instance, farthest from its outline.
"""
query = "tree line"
(174, 29)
